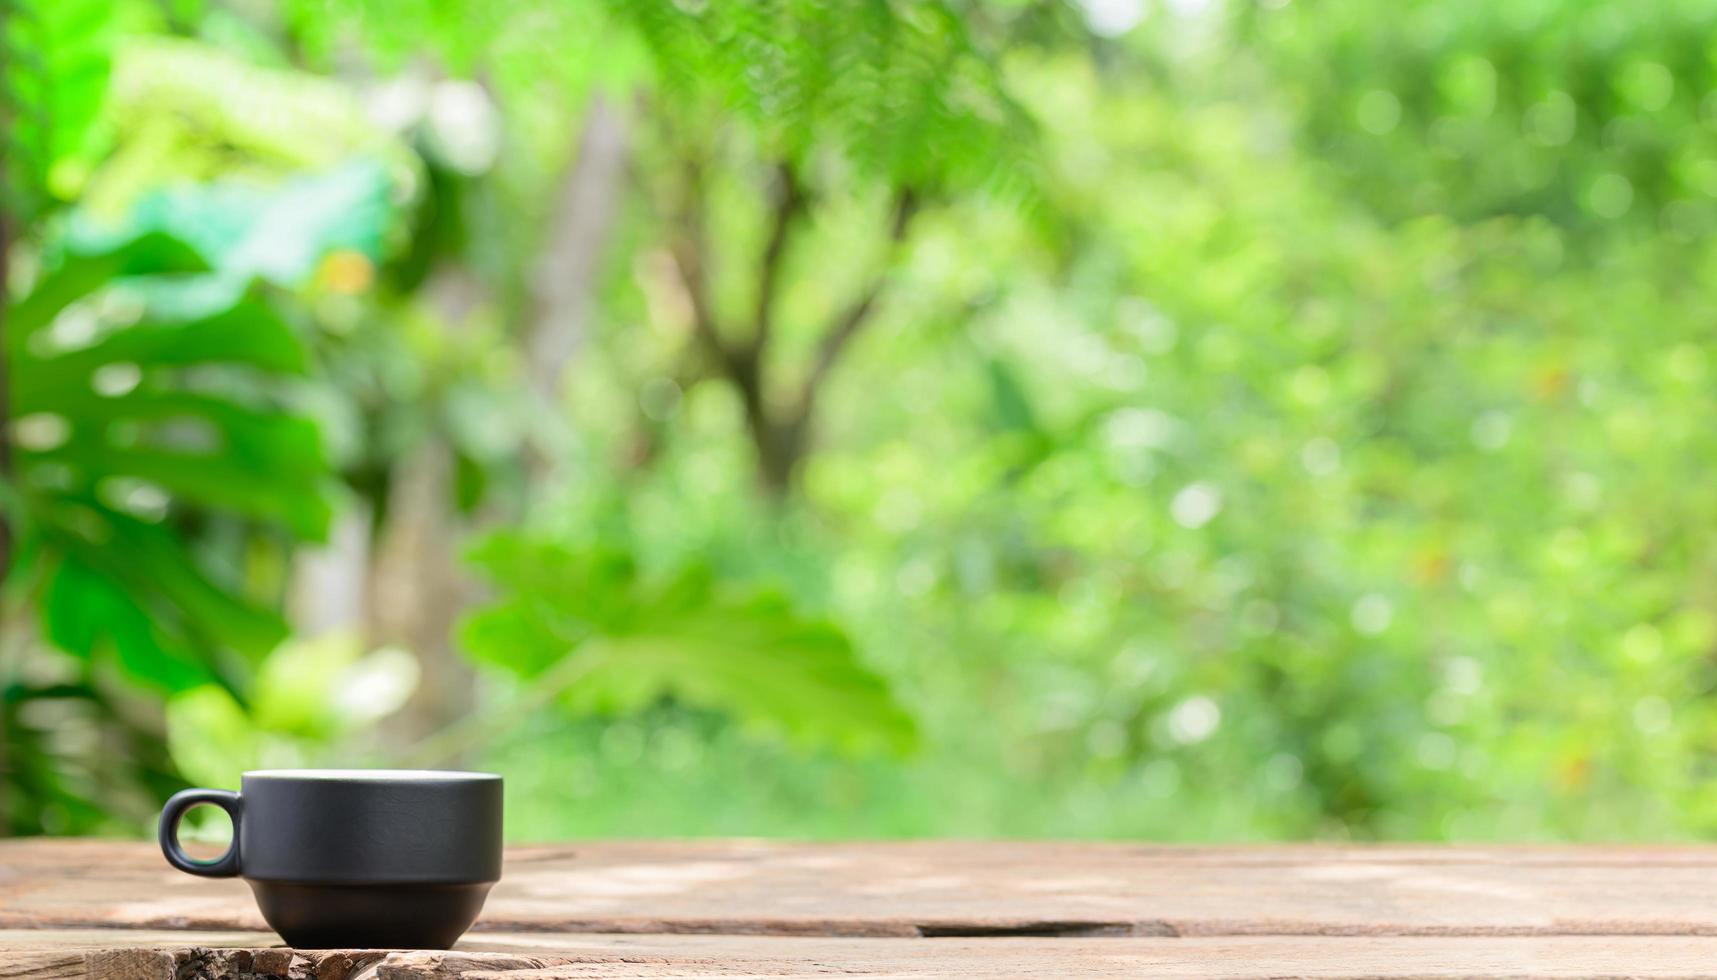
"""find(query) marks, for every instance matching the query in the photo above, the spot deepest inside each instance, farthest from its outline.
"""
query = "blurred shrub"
(136, 419)
(57, 60)
(309, 705)
(1319, 453)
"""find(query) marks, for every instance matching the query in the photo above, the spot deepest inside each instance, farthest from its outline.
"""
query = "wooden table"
(115, 911)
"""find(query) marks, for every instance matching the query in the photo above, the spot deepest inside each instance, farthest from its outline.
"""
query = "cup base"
(344, 915)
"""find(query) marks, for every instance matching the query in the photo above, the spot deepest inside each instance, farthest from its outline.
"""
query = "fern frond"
(897, 88)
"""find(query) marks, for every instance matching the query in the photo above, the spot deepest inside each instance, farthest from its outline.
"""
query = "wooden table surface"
(75, 909)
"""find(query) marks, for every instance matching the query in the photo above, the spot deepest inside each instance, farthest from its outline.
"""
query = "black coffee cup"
(356, 858)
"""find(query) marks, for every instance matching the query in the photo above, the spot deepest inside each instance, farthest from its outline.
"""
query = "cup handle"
(227, 865)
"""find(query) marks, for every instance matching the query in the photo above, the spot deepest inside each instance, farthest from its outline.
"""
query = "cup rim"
(373, 775)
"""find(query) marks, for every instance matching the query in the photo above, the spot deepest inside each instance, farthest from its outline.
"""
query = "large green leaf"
(150, 565)
(630, 643)
(86, 612)
(102, 396)
(125, 418)
(249, 333)
(262, 169)
(280, 232)
(143, 255)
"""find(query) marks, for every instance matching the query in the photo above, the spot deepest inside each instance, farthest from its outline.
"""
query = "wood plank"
(174, 956)
(1205, 958)
(954, 889)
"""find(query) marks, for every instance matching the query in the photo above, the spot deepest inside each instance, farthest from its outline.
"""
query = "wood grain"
(953, 890)
(144, 955)
(90, 910)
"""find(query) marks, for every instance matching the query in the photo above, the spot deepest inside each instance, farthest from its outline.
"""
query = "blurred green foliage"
(106, 434)
(58, 61)
(309, 692)
(1197, 419)
(614, 645)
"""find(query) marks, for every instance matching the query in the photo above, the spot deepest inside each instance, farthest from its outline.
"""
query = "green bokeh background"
(1264, 420)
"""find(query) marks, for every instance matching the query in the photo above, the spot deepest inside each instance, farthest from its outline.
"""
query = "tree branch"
(742, 365)
(778, 436)
(565, 273)
(688, 250)
(790, 202)
(857, 315)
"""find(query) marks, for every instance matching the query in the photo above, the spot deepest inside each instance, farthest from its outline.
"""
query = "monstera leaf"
(128, 423)
(629, 643)
(278, 233)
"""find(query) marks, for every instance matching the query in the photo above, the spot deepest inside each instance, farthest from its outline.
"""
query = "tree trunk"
(418, 591)
(780, 446)
(566, 278)
(330, 588)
